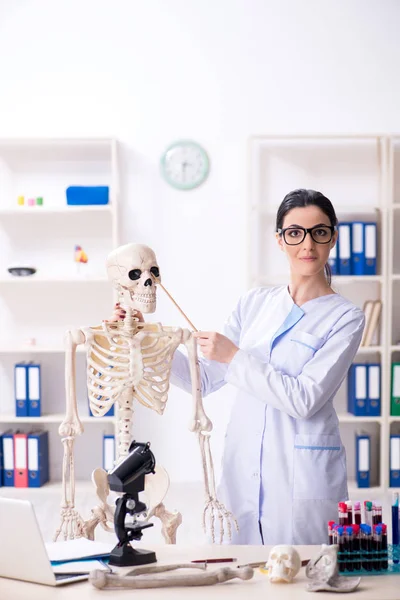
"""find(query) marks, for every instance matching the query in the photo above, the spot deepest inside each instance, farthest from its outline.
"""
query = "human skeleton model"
(129, 360)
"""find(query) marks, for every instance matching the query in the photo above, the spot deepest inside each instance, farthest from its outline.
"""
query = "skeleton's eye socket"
(155, 271)
(284, 556)
(135, 274)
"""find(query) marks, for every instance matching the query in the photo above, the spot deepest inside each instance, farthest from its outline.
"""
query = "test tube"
(356, 547)
(368, 512)
(368, 532)
(378, 547)
(357, 513)
(341, 551)
(342, 509)
(349, 549)
(378, 510)
(384, 561)
(395, 524)
(330, 532)
(349, 505)
(365, 547)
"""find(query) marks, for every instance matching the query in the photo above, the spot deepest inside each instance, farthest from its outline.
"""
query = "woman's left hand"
(215, 346)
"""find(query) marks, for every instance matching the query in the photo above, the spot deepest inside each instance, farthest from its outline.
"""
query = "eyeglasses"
(321, 234)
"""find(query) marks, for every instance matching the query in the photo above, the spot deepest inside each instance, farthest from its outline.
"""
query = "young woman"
(286, 350)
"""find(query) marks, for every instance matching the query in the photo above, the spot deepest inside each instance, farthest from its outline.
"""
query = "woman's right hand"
(119, 314)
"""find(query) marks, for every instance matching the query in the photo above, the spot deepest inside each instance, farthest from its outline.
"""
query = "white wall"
(218, 71)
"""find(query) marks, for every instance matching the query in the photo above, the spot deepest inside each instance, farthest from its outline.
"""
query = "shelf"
(396, 206)
(30, 279)
(340, 210)
(11, 349)
(363, 493)
(394, 419)
(53, 210)
(47, 149)
(356, 278)
(369, 349)
(336, 279)
(52, 487)
(395, 277)
(52, 418)
(395, 348)
(349, 418)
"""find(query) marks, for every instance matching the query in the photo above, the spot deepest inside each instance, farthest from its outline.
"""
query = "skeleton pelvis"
(140, 362)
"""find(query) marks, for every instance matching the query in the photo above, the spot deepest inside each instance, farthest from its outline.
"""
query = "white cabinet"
(62, 294)
(353, 173)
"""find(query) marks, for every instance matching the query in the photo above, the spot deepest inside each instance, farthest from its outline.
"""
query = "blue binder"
(357, 248)
(38, 458)
(394, 458)
(8, 458)
(333, 260)
(344, 251)
(374, 390)
(370, 244)
(1, 458)
(108, 452)
(34, 390)
(21, 390)
(357, 390)
(363, 460)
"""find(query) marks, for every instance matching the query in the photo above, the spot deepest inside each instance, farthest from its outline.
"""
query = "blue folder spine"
(363, 460)
(394, 458)
(357, 248)
(38, 458)
(1, 459)
(21, 390)
(108, 452)
(333, 260)
(8, 458)
(34, 390)
(357, 390)
(370, 245)
(344, 241)
(374, 390)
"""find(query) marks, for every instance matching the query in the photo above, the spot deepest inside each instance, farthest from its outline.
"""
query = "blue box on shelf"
(81, 195)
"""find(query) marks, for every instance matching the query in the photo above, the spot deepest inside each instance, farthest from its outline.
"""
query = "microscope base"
(126, 556)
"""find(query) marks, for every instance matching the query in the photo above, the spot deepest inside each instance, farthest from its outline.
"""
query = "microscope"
(128, 477)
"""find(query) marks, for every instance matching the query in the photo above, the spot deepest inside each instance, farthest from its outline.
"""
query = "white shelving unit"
(61, 295)
(394, 265)
(353, 172)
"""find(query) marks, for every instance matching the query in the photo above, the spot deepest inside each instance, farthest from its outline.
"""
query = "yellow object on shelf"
(21, 200)
(80, 255)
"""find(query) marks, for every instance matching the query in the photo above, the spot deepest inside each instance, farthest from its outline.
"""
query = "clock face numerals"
(185, 165)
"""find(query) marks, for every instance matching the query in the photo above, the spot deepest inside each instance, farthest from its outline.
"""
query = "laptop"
(23, 553)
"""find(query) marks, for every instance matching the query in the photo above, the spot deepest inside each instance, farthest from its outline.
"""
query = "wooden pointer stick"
(178, 307)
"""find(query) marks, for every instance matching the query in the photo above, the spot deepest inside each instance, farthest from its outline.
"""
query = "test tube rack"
(373, 559)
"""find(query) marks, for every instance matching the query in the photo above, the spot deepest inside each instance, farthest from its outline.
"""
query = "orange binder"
(20, 460)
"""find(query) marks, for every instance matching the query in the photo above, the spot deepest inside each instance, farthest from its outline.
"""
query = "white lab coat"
(284, 464)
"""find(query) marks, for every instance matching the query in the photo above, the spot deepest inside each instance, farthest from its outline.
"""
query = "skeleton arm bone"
(71, 426)
(199, 421)
(71, 522)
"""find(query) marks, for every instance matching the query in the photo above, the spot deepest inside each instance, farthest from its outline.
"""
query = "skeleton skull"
(134, 272)
(283, 564)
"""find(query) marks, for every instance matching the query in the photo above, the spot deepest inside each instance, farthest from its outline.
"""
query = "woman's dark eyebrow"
(318, 225)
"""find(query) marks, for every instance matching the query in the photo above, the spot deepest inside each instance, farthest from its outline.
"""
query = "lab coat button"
(256, 474)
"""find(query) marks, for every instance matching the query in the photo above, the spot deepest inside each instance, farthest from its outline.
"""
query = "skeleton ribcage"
(117, 360)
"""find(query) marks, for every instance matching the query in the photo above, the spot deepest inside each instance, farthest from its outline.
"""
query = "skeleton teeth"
(144, 298)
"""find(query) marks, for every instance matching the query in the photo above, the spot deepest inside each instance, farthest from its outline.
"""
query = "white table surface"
(385, 587)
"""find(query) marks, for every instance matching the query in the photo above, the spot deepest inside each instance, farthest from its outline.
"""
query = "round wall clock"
(185, 165)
